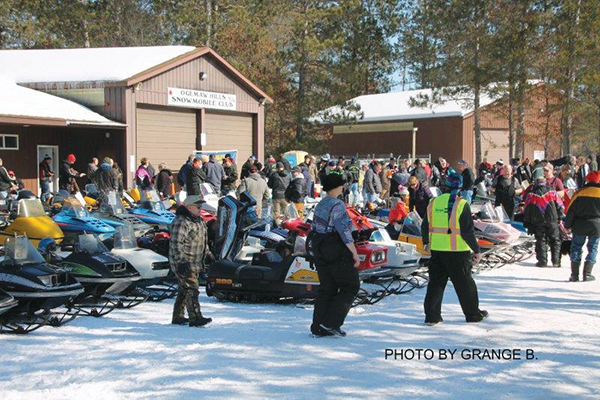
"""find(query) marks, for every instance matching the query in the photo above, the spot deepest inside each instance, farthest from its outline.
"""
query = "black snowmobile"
(37, 286)
(6, 302)
(103, 275)
(273, 274)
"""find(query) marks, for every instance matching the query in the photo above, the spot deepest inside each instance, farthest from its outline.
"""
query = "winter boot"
(179, 309)
(193, 306)
(574, 272)
(587, 272)
(483, 314)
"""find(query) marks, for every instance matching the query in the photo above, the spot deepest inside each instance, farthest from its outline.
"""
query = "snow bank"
(264, 351)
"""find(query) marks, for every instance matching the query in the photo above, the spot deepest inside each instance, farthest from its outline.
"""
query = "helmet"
(593, 177)
(47, 245)
(454, 181)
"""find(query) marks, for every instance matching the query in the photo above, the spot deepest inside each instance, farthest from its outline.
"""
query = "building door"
(229, 132)
(51, 151)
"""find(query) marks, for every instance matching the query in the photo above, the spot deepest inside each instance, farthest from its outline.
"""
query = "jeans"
(353, 189)
(577, 247)
(45, 186)
(467, 195)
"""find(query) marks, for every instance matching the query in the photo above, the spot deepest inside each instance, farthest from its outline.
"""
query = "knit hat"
(593, 177)
(71, 159)
(332, 181)
(402, 190)
(454, 181)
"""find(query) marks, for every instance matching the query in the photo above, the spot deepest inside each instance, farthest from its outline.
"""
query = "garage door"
(229, 132)
(494, 146)
(165, 136)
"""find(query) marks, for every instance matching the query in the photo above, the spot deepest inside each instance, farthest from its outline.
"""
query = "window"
(9, 142)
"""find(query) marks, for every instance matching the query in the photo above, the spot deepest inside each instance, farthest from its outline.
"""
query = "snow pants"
(338, 285)
(547, 234)
(187, 296)
(456, 266)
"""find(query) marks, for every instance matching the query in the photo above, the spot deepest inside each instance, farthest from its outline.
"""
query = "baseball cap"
(193, 200)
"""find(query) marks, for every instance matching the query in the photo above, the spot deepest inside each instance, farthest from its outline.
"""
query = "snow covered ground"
(264, 351)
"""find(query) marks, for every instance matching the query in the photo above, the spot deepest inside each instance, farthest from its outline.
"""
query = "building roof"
(27, 106)
(109, 64)
(122, 65)
(396, 106)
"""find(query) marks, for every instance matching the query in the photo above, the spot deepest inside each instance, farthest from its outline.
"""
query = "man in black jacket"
(195, 176)
(468, 180)
(543, 210)
(583, 218)
(507, 188)
(296, 191)
(279, 182)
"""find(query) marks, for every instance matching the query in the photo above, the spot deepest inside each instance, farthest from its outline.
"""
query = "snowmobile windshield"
(113, 204)
(91, 244)
(501, 214)
(412, 224)
(380, 235)
(73, 209)
(152, 201)
(30, 208)
(229, 217)
(206, 190)
(20, 251)
(488, 213)
(292, 212)
(125, 237)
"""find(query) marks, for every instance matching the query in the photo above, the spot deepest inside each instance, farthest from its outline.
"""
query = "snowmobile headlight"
(378, 257)
(49, 280)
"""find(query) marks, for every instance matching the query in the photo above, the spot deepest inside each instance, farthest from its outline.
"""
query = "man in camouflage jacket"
(187, 252)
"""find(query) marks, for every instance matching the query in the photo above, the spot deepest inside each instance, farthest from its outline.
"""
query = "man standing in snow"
(448, 231)
(187, 251)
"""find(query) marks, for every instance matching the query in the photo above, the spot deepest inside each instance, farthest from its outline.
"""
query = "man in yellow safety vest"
(449, 233)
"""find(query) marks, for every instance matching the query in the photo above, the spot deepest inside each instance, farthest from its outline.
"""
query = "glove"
(426, 248)
(183, 268)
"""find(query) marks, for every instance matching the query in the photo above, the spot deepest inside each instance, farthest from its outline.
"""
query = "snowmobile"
(113, 212)
(6, 302)
(103, 275)
(152, 210)
(30, 219)
(271, 275)
(75, 220)
(507, 243)
(153, 268)
(37, 286)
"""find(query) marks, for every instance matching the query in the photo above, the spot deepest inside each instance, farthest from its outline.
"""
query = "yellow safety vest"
(444, 232)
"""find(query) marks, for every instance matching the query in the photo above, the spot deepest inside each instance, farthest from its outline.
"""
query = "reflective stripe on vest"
(444, 232)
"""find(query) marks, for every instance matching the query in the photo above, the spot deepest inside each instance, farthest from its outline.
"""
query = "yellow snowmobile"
(31, 220)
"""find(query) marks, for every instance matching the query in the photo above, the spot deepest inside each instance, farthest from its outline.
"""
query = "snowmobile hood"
(35, 228)
(82, 224)
(232, 225)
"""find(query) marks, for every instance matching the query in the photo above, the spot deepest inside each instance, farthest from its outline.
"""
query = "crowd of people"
(553, 202)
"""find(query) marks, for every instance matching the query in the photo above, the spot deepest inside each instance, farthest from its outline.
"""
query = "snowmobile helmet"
(333, 181)
(47, 245)
(454, 181)
(71, 159)
(593, 177)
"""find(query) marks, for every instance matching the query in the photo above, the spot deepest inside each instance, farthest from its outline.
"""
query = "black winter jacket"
(194, 178)
(279, 182)
(163, 181)
(583, 214)
(296, 191)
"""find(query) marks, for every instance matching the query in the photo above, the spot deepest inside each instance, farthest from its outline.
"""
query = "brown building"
(385, 125)
(163, 103)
